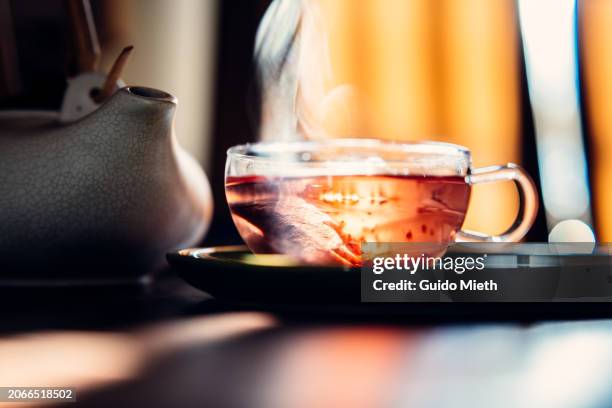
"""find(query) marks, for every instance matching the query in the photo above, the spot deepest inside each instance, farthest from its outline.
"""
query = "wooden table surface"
(171, 345)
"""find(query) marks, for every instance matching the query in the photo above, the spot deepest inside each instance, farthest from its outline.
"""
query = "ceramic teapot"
(103, 197)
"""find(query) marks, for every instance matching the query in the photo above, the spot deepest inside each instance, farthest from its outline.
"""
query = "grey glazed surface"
(113, 188)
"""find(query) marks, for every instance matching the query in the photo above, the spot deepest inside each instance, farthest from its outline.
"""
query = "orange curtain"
(596, 47)
(442, 70)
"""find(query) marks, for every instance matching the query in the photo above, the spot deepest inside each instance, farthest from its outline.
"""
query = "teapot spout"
(148, 101)
(137, 102)
(150, 94)
(131, 112)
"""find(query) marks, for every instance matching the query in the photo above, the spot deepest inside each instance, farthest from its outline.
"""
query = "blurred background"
(513, 80)
(525, 81)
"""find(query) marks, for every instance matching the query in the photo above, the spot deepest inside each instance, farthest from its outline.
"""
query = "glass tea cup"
(318, 201)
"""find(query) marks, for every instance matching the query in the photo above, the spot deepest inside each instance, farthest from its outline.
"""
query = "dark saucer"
(234, 273)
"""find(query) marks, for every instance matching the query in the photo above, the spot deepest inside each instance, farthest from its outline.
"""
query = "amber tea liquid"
(324, 219)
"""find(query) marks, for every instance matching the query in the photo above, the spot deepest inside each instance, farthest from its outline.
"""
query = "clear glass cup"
(318, 201)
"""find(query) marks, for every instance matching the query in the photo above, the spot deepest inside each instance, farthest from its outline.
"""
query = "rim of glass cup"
(421, 147)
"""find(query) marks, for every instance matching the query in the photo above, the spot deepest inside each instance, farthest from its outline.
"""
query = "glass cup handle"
(528, 206)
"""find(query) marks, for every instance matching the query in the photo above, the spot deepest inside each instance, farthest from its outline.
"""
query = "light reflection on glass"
(549, 35)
